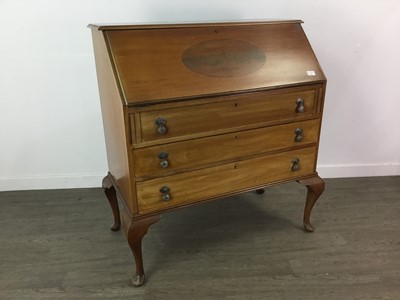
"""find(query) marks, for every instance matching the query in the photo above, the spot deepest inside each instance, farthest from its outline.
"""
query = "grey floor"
(55, 244)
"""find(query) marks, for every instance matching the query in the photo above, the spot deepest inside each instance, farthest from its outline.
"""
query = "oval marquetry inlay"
(224, 58)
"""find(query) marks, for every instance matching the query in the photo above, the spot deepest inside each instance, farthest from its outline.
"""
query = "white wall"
(50, 124)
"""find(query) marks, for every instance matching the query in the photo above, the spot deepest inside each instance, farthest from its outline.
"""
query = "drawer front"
(169, 158)
(230, 112)
(194, 186)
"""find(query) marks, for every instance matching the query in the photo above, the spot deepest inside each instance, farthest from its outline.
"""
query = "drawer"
(213, 182)
(165, 159)
(224, 114)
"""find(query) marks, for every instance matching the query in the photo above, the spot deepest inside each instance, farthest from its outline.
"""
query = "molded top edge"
(135, 26)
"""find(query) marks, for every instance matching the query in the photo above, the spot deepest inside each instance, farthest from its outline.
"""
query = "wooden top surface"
(133, 26)
(161, 62)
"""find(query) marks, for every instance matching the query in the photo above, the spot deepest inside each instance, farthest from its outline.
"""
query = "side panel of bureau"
(194, 186)
(114, 120)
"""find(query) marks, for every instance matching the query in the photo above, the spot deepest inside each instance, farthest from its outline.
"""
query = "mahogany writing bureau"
(194, 112)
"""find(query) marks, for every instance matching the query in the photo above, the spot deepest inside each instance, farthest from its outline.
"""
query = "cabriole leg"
(111, 195)
(137, 230)
(315, 186)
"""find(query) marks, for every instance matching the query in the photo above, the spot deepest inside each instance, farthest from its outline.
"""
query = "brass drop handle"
(300, 105)
(295, 164)
(161, 125)
(298, 135)
(164, 159)
(165, 193)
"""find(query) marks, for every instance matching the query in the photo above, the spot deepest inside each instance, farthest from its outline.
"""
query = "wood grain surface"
(228, 112)
(191, 154)
(160, 72)
(218, 181)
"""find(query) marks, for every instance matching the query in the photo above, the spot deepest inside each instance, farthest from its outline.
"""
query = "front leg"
(315, 186)
(137, 229)
(111, 195)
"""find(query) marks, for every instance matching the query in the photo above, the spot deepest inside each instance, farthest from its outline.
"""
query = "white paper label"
(310, 73)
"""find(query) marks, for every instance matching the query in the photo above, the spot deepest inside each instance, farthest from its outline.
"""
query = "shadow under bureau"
(194, 112)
